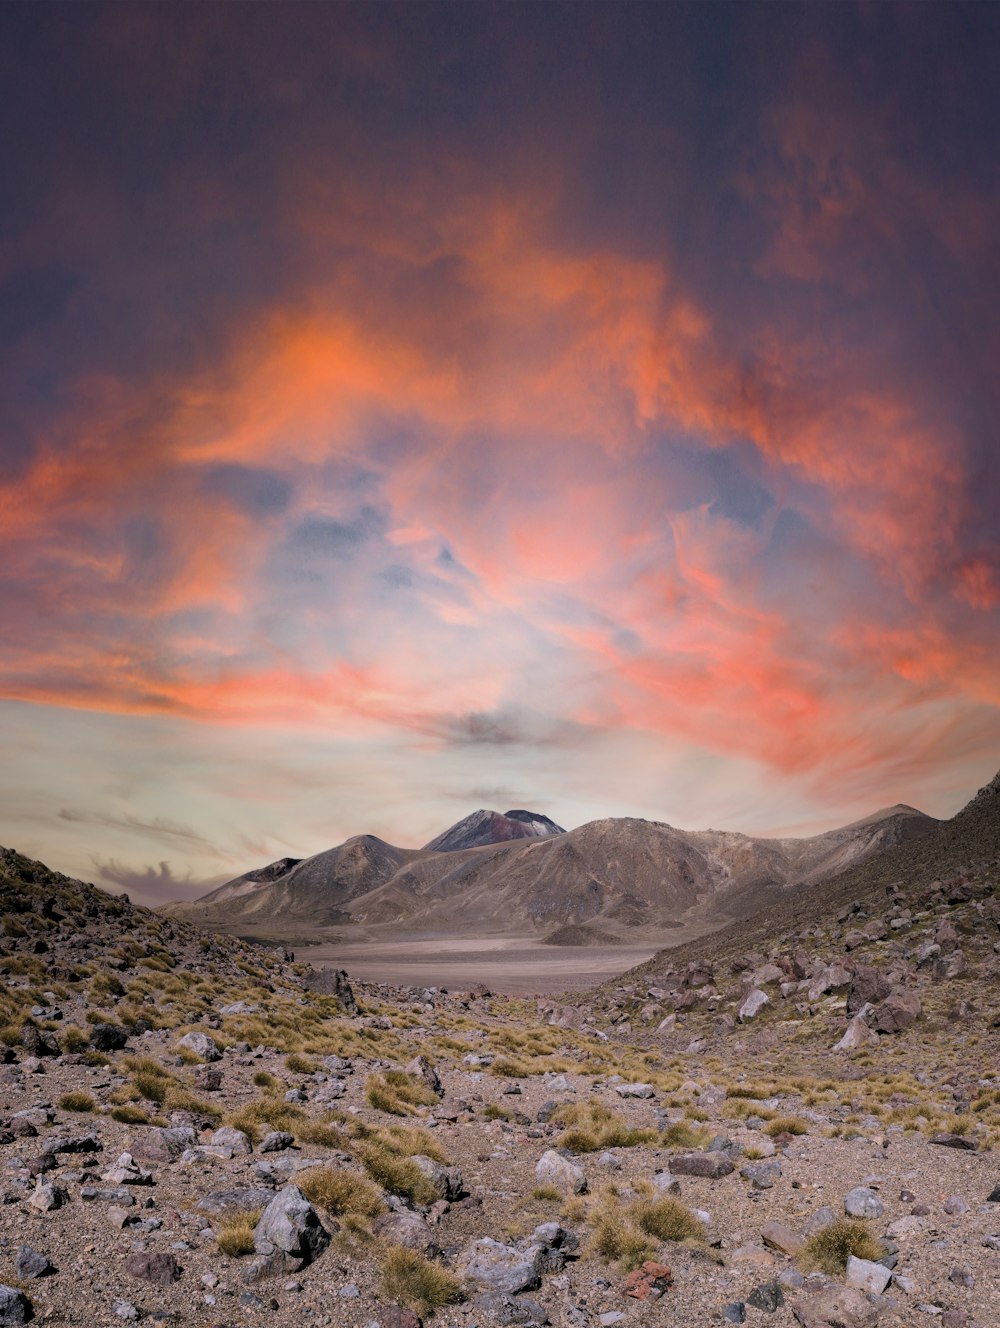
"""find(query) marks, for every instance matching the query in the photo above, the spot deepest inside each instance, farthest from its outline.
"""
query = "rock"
(863, 1202)
(201, 1045)
(275, 1142)
(652, 1279)
(754, 1003)
(405, 1228)
(28, 1263)
(962, 1277)
(635, 1090)
(867, 1276)
(421, 1068)
(446, 1180)
(858, 1033)
(906, 1226)
(499, 1308)
(395, 1316)
(955, 1206)
(162, 1144)
(46, 1197)
(664, 1183)
(734, 1312)
(779, 1236)
(290, 1226)
(898, 1011)
(768, 1297)
(37, 1042)
(500, 1267)
(15, 1307)
(950, 966)
(554, 1169)
(712, 1165)
(835, 1307)
(994, 1195)
(126, 1172)
(219, 1202)
(868, 985)
(208, 1079)
(761, 1175)
(766, 975)
(108, 1037)
(333, 982)
(227, 1137)
(160, 1268)
(954, 1141)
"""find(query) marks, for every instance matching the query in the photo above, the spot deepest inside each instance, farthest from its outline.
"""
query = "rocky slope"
(609, 877)
(485, 827)
(193, 1129)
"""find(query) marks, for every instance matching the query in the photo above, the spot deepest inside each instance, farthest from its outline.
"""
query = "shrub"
(411, 1280)
(786, 1125)
(129, 1115)
(265, 1080)
(299, 1064)
(682, 1135)
(398, 1093)
(397, 1174)
(831, 1247)
(77, 1101)
(339, 1192)
(616, 1239)
(235, 1232)
(495, 1112)
(667, 1219)
(73, 1039)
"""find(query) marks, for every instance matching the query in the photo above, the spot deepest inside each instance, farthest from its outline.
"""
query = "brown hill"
(622, 874)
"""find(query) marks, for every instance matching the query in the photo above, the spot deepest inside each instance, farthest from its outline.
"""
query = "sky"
(406, 409)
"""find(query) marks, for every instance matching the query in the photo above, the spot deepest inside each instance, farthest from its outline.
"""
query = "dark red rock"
(160, 1268)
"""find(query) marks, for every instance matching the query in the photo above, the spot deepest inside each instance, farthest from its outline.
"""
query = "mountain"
(485, 827)
(608, 880)
(965, 846)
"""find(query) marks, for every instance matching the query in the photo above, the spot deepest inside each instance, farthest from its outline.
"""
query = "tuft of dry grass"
(411, 1280)
(77, 1101)
(234, 1235)
(340, 1192)
(667, 1219)
(594, 1126)
(616, 1239)
(129, 1115)
(786, 1125)
(830, 1248)
(398, 1093)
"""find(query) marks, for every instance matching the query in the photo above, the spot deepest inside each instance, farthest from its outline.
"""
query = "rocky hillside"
(605, 879)
(798, 1129)
(484, 827)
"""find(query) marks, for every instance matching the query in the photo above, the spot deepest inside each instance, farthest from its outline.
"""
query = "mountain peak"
(484, 827)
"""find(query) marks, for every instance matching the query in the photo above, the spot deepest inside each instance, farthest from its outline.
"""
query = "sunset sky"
(410, 408)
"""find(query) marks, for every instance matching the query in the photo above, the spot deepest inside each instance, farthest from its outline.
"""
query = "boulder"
(108, 1037)
(635, 1090)
(421, 1068)
(835, 1307)
(754, 1003)
(899, 1010)
(162, 1144)
(405, 1228)
(200, 1045)
(160, 1268)
(502, 1268)
(868, 985)
(446, 1180)
(290, 1226)
(712, 1165)
(333, 982)
(554, 1169)
(15, 1307)
(779, 1236)
(857, 1034)
(866, 1275)
(863, 1202)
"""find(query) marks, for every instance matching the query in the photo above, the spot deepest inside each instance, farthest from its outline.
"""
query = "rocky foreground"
(197, 1130)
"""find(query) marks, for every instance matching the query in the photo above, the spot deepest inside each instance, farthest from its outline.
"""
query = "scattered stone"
(768, 1297)
(127, 1172)
(15, 1307)
(962, 1277)
(754, 1003)
(162, 1144)
(500, 1267)
(108, 1037)
(863, 1202)
(761, 1175)
(46, 1197)
(28, 1263)
(554, 1169)
(275, 1142)
(227, 1137)
(201, 1045)
(858, 1034)
(421, 1068)
(405, 1228)
(712, 1165)
(395, 1316)
(778, 1236)
(955, 1206)
(954, 1141)
(499, 1308)
(651, 1280)
(898, 1011)
(160, 1268)
(866, 1275)
(289, 1225)
(635, 1090)
(835, 1307)
(735, 1312)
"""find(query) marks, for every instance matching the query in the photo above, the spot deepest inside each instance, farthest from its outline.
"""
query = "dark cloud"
(153, 886)
(160, 828)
